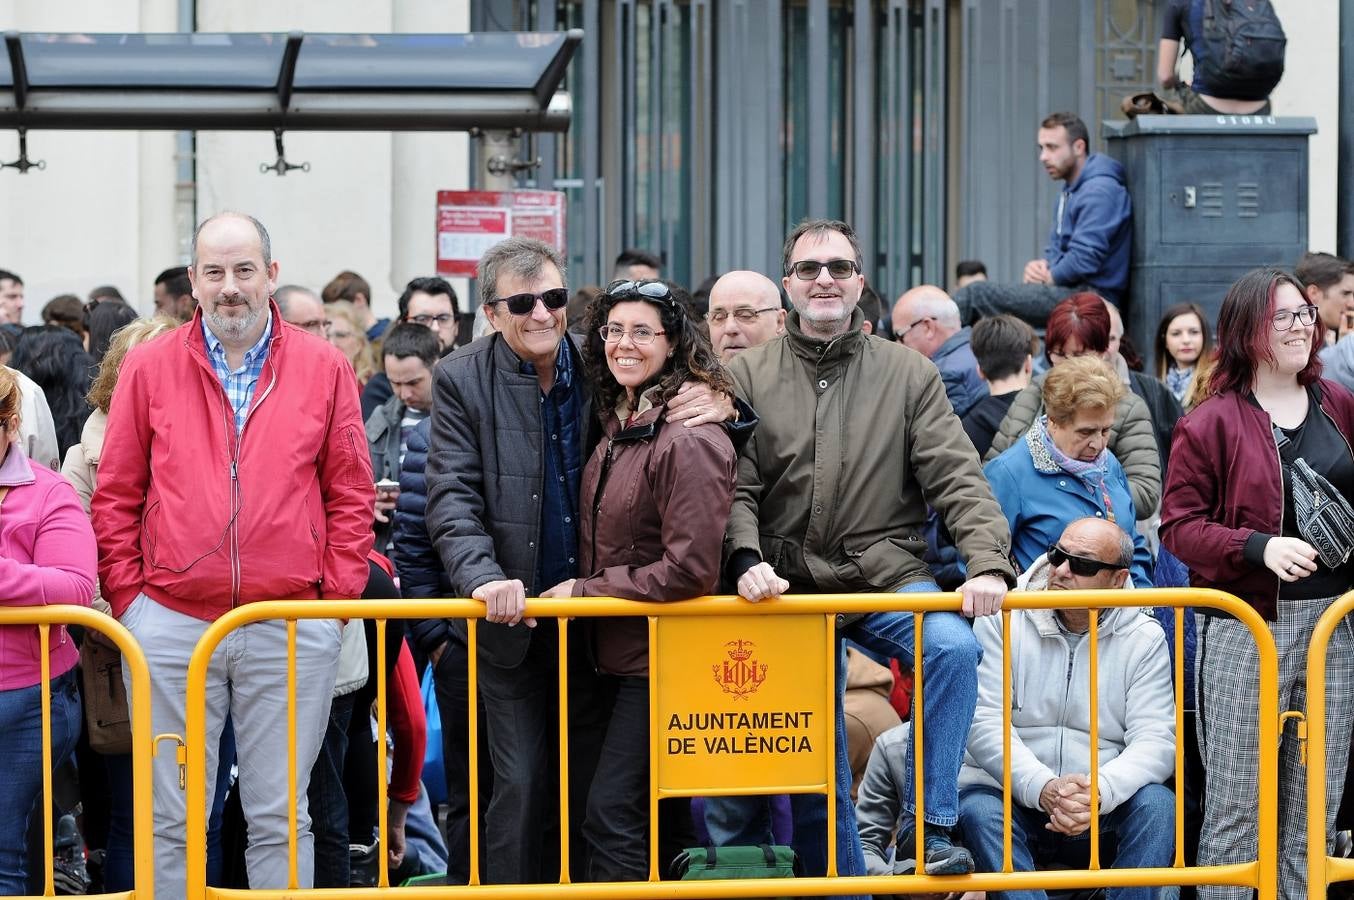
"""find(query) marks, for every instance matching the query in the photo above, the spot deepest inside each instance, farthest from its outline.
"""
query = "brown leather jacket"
(653, 504)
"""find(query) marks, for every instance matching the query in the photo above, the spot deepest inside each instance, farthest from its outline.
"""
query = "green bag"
(761, 861)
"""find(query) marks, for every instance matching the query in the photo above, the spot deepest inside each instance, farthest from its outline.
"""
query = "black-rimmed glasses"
(1080, 565)
(523, 304)
(808, 269)
(1285, 318)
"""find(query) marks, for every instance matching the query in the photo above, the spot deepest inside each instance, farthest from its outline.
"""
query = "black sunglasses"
(649, 290)
(523, 304)
(808, 269)
(1080, 565)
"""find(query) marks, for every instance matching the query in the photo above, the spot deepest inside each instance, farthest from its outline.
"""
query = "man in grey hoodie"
(1050, 736)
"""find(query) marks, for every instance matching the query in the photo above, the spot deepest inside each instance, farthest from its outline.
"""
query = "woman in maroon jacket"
(1228, 514)
(654, 500)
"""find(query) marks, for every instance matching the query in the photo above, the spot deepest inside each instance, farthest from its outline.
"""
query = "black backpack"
(1243, 46)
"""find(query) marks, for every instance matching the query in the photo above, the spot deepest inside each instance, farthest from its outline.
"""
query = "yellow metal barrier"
(134, 662)
(1321, 869)
(1260, 874)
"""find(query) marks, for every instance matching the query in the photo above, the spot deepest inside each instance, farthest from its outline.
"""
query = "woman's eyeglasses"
(1303, 315)
(649, 290)
(640, 336)
(523, 304)
(1080, 565)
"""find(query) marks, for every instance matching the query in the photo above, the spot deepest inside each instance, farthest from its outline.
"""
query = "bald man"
(745, 311)
(927, 320)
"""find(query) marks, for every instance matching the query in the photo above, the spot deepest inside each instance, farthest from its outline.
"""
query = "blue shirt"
(557, 554)
(239, 384)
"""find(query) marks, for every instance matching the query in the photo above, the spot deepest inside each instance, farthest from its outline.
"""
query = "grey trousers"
(1228, 716)
(247, 678)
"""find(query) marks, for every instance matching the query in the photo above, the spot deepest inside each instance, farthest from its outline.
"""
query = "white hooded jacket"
(1050, 703)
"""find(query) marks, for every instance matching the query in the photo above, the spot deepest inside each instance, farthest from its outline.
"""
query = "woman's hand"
(563, 589)
(1290, 558)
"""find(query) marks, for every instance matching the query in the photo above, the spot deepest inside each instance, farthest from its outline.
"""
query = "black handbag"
(1324, 517)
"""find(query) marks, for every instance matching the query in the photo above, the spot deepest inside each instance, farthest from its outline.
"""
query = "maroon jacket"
(1225, 485)
(653, 505)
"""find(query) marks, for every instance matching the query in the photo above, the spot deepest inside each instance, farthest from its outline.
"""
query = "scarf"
(1048, 458)
(1177, 381)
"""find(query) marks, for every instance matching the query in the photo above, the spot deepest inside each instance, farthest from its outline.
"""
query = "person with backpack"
(1238, 50)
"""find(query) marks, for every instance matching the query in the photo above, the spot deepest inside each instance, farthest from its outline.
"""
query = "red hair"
(1082, 316)
(1244, 323)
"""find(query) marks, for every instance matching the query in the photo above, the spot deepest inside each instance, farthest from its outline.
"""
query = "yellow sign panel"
(743, 702)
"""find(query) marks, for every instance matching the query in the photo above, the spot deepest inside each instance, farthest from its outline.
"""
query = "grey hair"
(1125, 549)
(264, 241)
(820, 228)
(523, 257)
(938, 305)
(284, 294)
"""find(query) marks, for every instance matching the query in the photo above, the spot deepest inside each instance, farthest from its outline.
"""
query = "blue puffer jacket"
(1092, 231)
(416, 561)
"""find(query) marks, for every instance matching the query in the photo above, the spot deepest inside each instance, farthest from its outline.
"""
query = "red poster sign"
(470, 222)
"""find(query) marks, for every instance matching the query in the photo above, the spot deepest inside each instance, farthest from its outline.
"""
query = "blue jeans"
(21, 750)
(1144, 826)
(950, 694)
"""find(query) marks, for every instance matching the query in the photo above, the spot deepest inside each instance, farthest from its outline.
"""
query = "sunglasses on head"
(1080, 565)
(523, 304)
(649, 290)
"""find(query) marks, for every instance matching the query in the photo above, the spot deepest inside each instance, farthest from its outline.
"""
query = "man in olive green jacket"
(832, 495)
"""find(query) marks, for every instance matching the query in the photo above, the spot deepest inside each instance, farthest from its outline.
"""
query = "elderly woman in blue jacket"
(1060, 470)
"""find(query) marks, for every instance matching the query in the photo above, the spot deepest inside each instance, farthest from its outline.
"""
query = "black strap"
(710, 862)
(1282, 442)
(770, 856)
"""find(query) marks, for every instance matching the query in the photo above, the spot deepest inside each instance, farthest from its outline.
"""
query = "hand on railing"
(761, 582)
(504, 601)
(983, 595)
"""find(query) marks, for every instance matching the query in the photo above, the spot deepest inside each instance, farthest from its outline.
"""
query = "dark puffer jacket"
(420, 569)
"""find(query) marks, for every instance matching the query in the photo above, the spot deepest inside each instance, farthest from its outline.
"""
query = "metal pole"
(1344, 228)
(185, 159)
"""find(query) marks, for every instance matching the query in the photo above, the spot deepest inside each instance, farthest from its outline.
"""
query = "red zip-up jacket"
(1225, 485)
(201, 521)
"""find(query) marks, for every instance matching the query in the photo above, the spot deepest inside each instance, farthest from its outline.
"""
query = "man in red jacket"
(235, 470)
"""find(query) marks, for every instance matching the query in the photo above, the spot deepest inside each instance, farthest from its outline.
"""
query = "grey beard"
(233, 328)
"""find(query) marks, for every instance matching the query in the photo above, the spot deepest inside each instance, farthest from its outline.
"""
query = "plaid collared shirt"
(241, 383)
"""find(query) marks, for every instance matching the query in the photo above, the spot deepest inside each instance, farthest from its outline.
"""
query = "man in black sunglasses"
(1050, 716)
(512, 425)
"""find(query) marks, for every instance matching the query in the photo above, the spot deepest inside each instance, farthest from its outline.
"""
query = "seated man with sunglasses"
(1050, 723)
(512, 425)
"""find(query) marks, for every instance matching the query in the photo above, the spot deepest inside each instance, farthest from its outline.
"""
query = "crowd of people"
(766, 434)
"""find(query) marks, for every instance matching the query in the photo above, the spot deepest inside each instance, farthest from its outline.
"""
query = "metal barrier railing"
(143, 743)
(817, 611)
(1321, 869)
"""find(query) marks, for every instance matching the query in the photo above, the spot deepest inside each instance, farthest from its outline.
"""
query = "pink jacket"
(47, 556)
(201, 520)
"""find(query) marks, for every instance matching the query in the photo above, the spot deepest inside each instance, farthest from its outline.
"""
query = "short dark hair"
(430, 285)
(175, 281)
(820, 227)
(6, 275)
(1001, 344)
(346, 285)
(633, 256)
(1076, 129)
(407, 339)
(1322, 269)
(871, 305)
(66, 310)
(576, 313)
(967, 267)
(106, 292)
